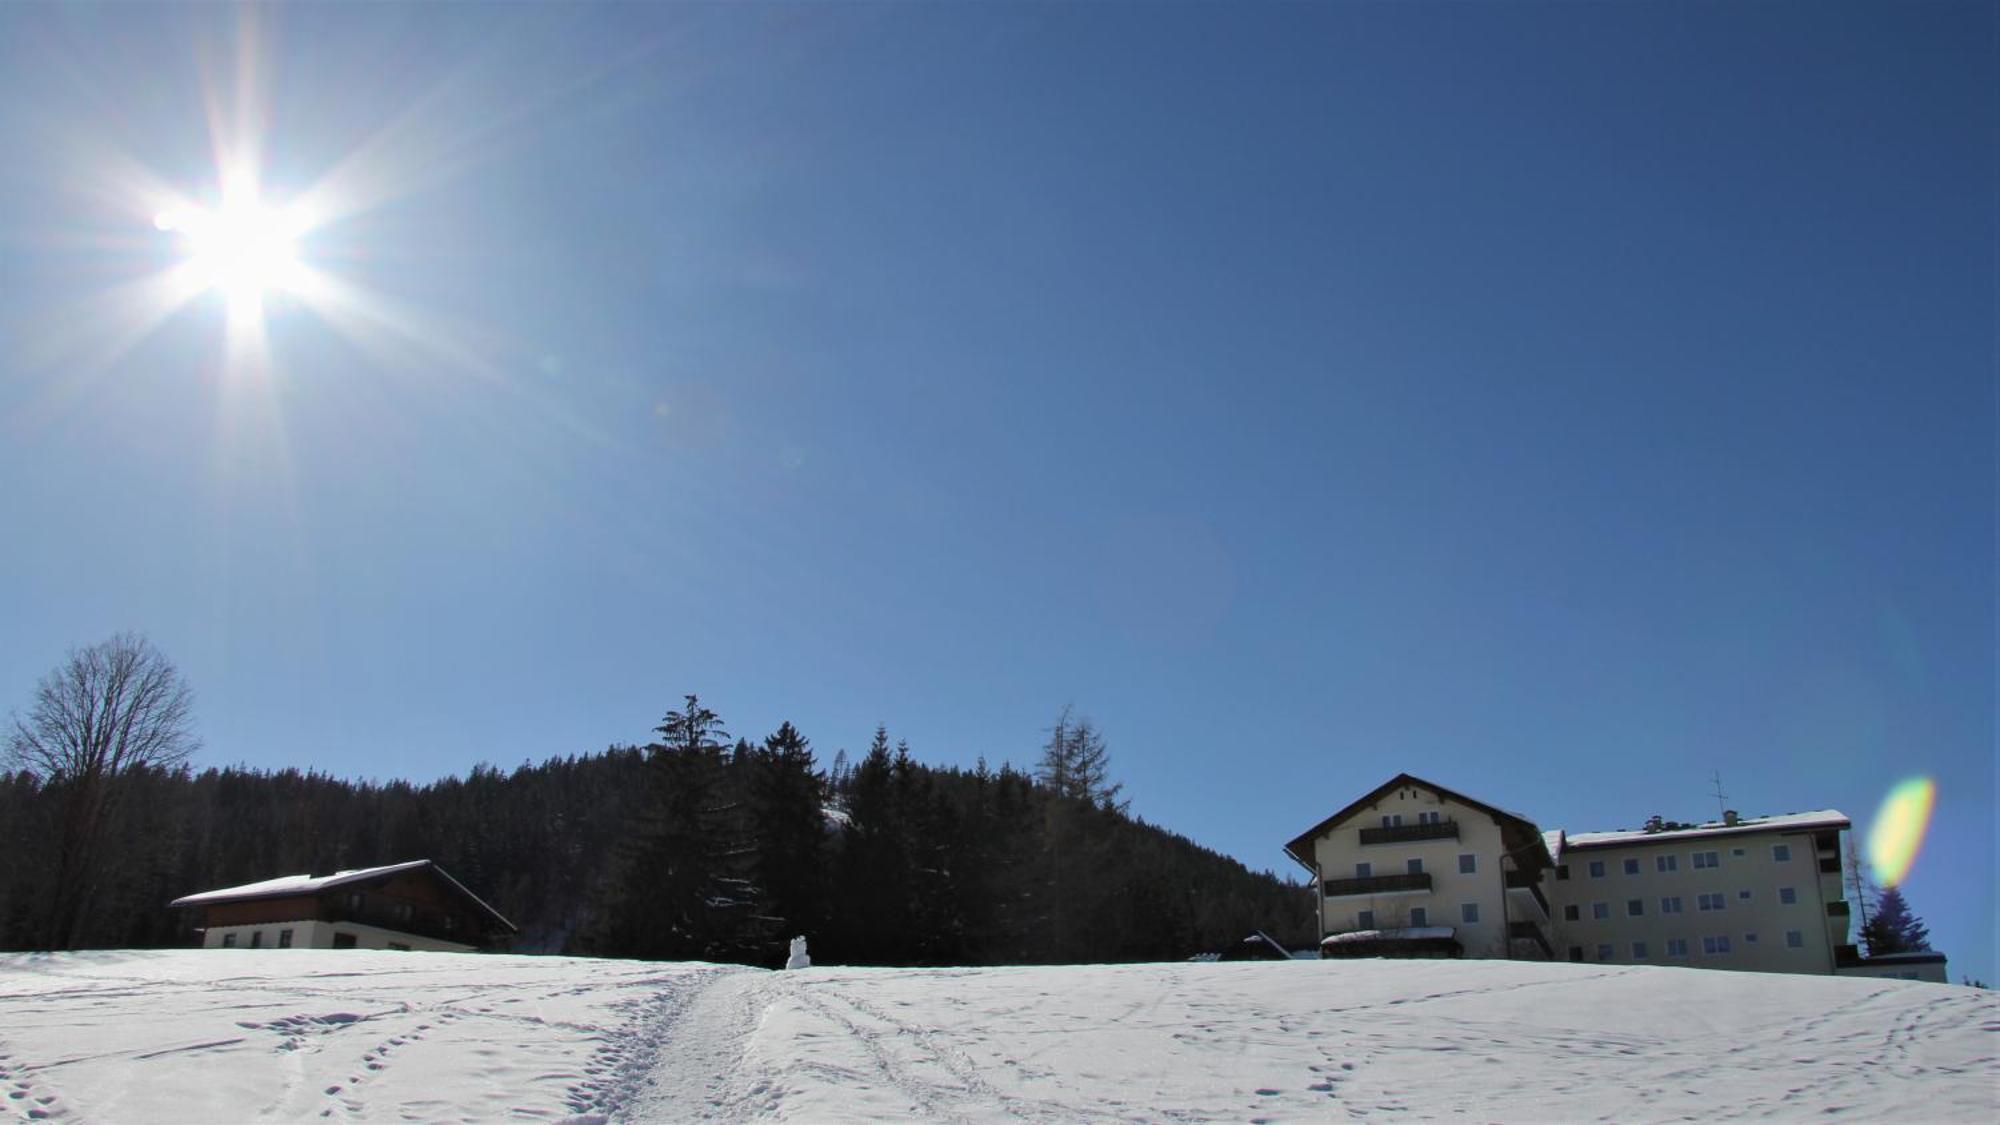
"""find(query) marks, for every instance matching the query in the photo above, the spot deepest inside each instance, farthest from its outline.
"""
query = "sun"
(244, 248)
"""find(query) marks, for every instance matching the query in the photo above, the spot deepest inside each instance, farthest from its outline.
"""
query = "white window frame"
(1666, 864)
(1635, 908)
(1781, 853)
(1597, 869)
(1419, 916)
(1677, 947)
(1788, 896)
(1468, 912)
(1631, 865)
(1795, 939)
(1468, 863)
(1670, 904)
(1696, 860)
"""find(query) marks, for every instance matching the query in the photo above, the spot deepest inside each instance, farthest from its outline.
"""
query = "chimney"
(1730, 818)
(1654, 823)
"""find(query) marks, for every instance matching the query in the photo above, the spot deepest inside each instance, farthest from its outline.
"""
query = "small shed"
(411, 905)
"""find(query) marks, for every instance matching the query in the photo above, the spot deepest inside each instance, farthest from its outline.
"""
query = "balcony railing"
(1404, 833)
(1829, 865)
(1377, 884)
(1528, 931)
(1837, 908)
(1523, 881)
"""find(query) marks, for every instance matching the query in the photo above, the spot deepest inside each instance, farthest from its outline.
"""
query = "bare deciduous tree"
(110, 709)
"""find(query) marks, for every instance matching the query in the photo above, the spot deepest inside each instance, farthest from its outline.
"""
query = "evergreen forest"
(696, 845)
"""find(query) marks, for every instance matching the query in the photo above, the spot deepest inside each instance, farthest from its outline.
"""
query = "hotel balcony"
(1379, 884)
(1407, 833)
(1528, 931)
(1526, 892)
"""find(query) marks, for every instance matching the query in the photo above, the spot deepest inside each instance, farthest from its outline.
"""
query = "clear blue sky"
(1558, 401)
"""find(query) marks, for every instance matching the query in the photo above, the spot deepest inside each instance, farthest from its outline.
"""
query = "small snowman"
(798, 959)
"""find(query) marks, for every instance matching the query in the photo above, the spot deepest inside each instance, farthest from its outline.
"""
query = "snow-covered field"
(240, 1035)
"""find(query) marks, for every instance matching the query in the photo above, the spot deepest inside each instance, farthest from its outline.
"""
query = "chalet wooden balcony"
(1378, 884)
(1528, 931)
(1405, 833)
(1524, 881)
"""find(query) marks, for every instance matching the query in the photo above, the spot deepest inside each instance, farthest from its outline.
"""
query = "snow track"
(299, 1035)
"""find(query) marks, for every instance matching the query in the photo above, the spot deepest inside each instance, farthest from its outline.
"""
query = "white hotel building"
(1415, 869)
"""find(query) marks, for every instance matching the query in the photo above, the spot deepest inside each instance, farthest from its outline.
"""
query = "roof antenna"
(1721, 801)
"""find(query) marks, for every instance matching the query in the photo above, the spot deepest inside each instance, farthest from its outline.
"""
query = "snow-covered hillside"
(228, 1035)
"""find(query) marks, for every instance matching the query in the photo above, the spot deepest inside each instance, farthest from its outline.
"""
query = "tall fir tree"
(1893, 929)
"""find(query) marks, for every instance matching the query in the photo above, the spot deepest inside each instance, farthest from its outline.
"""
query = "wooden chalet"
(413, 905)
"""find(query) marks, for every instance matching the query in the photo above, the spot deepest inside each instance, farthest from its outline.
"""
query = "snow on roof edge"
(300, 884)
(1821, 818)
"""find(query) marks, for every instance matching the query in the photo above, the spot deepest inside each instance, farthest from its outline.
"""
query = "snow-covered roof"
(1553, 841)
(286, 885)
(1823, 818)
(294, 884)
(1407, 933)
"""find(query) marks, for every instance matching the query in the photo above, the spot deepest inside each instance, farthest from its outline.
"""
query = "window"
(1635, 908)
(1743, 896)
(1430, 818)
(1631, 867)
(1670, 904)
(1416, 867)
(1711, 901)
(1571, 913)
(1706, 859)
(1419, 916)
(1468, 912)
(1638, 951)
(1749, 939)
(1363, 870)
(1717, 944)
(1365, 920)
(229, 941)
(1667, 863)
(1599, 911)
(1677, 947)
(1781, 853)
(354, 900)
(343, 941)
(1788, 896)
(1467, 863)
(1795, 939)
(1736, 853)
(256, 939)
(284, 939)
(1597, 869)
(1576, 953)
(1392, 821)
(1562, 872)
(1604, 952)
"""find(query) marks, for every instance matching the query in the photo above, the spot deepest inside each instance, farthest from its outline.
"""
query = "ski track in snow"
(298, 1035)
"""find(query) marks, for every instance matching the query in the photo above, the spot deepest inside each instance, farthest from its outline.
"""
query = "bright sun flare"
(244, 249)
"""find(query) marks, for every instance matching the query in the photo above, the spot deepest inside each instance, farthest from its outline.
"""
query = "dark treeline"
(694, 846)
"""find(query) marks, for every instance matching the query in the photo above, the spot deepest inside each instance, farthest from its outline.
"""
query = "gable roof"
(1301, 846)
(286, 886)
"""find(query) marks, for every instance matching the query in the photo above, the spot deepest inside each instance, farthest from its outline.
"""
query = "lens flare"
(1898, 832)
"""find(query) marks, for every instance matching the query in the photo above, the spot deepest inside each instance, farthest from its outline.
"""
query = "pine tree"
(1076, 763)
(1894, 929)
